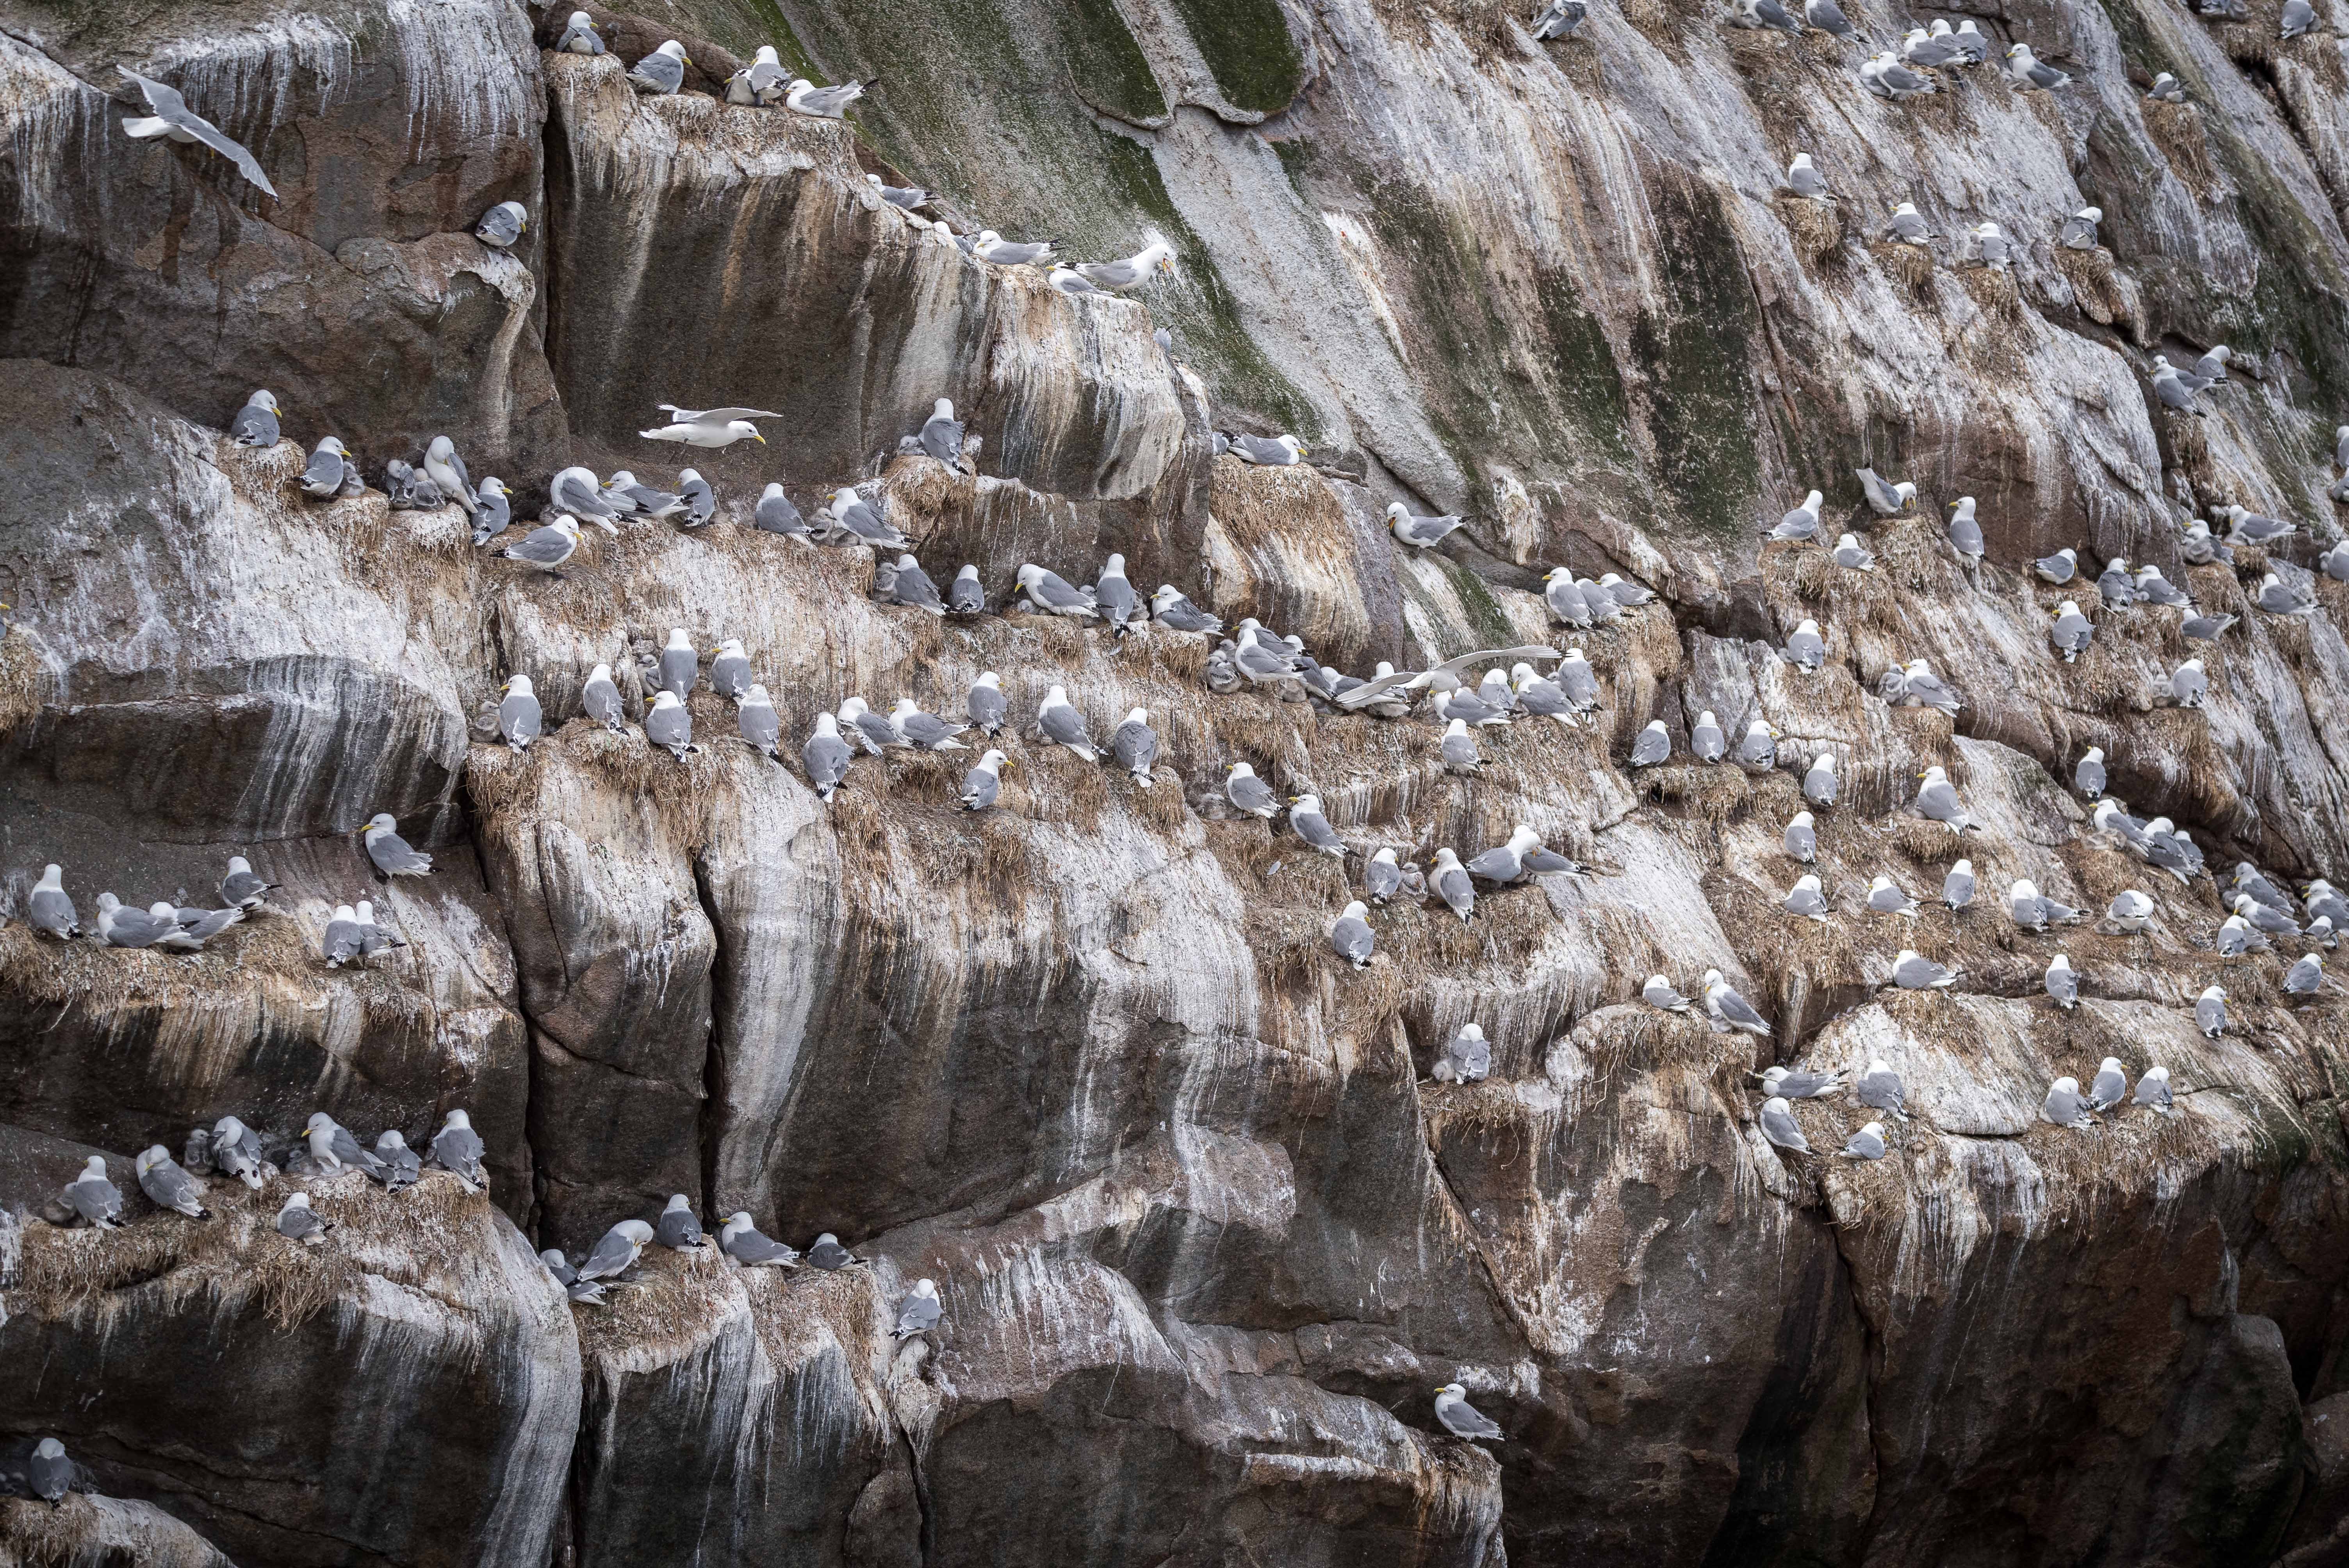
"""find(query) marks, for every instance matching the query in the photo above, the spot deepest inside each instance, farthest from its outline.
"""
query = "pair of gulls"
(1885, 498)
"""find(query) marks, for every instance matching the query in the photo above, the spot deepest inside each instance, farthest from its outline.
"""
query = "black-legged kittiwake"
(170, 1187)
(169, 116)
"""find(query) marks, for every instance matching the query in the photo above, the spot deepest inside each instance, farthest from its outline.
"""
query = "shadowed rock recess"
(1208, 1229)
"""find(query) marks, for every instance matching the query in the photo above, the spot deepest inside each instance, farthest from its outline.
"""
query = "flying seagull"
(170, 115)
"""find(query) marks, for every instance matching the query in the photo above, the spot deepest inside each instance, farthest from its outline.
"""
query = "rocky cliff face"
(1207, 1231)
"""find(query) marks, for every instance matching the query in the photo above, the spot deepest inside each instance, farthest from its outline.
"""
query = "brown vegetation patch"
(1910, 266)
(237, 1258)
(2177, 130)
(1815, 227)
(1660, 24)
(1994, 289)
(21, 681)
(2090, 273)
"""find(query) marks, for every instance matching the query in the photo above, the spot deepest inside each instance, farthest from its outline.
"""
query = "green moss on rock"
(1697, 353)
(1247, 45)
(1108, 67)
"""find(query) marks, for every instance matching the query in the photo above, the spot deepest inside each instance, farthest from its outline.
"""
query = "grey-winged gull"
(1243, 788)
(761, 84)
(401, 1165)
(2153, 1091)
(1059, 723)
(332, 469)
(236, 1152)
(92, 1196)
(1450, 882)
(1170, 607)
(1154, 260)
(1801, 523)
(1885, 498)
(1462, 1419)
(51, 908)
(503, 225)
(1801, 839)
(1778, 1125)
(1457, 749)
(1937, 801)
(980, 785)
(741, 1239)
(1880, 1088)
(1868, 1143)
(761, 727)
(776, 514)
(662, 71)
(580, 38)
(1957, 886)
(297, 1221)
(1913, 972)
(548, 547)
(1851, 554)
(668, 725)
(1652, 746)
(993, 247)
(1279, 452)
(2028, 75)
(1806, 899)
(618, 1250)
(169, 116)
(170, 1187)
(255, 424)
(678, 1229)
(1418, 532)
(709, 426)
(519, 719)
(1820, 782)
(1115, 597)
(2212, 1013)
(1707, 743)
(925, 731)
(1658, 993)
(984, 702)
(1351, 937)
(389, 852)
(729, 670)
(1134, 745)
(2065, 1106)
(1467, 1056)
(827, 1254)
(2071, 633)
(1053, 594)
(1728, 1010)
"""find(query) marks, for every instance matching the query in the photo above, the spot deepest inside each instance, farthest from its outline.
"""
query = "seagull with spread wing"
(1444, 677)
(709, 426)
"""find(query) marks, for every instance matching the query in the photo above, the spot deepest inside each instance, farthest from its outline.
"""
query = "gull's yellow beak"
(757, 437)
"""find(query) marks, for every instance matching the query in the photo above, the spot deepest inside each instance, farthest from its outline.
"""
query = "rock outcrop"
(1206, 1229)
